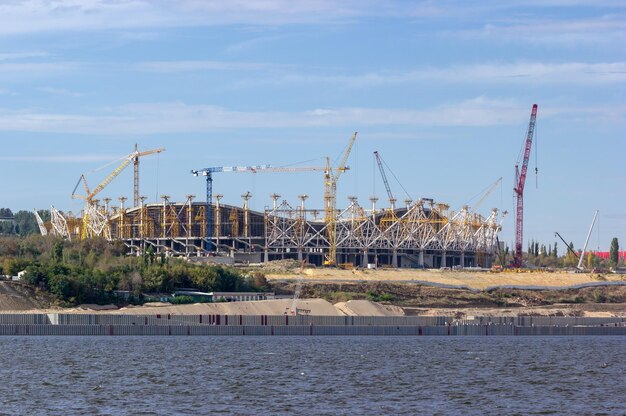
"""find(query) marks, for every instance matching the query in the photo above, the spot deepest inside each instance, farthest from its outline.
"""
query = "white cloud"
(21, 55)
(491, 73)
(142, 119)
(40, 67)
(28, 16)
(604, 30)
(184, 66)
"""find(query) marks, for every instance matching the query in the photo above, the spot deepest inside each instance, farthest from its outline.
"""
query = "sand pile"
(368, 308)
(263, 307)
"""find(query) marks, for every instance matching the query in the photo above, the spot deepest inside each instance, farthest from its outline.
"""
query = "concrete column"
(443, 259)
(299, 254)
(462, 259)
(421, 258)
(394, 259)
(266, 256)
(364, 259)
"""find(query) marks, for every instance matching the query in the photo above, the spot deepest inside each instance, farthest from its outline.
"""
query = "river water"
(313, 375)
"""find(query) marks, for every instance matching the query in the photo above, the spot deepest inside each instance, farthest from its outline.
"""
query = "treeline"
(90, 271)
(21, 222)
(541, 255)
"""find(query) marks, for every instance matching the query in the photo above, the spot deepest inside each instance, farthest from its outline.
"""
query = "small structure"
(241, 296)
(199, 296)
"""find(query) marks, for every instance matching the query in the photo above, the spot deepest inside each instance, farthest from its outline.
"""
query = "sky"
(442, 89)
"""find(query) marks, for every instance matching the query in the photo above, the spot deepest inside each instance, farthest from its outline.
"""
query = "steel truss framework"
(421, 234)
(412, 236)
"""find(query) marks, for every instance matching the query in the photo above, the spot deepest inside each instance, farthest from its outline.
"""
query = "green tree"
(25, 223)
(555, 251)
(57, 252)
(614, 253)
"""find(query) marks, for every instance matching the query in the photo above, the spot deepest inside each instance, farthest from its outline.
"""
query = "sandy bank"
(474, 280)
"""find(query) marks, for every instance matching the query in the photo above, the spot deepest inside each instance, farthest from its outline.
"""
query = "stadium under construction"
(422, 233)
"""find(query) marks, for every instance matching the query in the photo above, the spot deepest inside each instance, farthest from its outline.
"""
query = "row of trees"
(540, 255)
(89, 271)
(21, 222)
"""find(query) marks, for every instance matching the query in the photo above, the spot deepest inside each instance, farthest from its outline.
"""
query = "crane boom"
(566, 245)
(108, 179)
(384, 175)
(42, 227)
(342, 165)
(487, 193)
(520, 180)
(582, 255)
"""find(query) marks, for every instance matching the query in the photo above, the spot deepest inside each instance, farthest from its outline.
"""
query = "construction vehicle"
(520, 181)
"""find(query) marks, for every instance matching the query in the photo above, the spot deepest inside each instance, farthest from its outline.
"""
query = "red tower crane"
(520, 180)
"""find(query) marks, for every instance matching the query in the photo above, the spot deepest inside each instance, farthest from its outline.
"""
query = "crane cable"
(396, 178)
(536, 157)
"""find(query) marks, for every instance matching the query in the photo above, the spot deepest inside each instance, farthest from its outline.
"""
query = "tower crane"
(89, 196)
(520, 180)
(208, 174)
(133, 157)
(331, 176)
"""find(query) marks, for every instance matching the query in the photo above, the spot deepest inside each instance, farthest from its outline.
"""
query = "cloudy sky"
(442, 89)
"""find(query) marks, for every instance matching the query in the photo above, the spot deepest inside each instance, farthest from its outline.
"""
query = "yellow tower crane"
(90, 213)
(331, 176)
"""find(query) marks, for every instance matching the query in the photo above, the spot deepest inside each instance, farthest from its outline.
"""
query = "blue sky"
(442, 89)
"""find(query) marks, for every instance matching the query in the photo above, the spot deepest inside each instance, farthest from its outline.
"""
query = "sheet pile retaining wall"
(303, 330)
(164, 324)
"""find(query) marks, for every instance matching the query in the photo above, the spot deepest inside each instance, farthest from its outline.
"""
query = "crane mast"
(330, 202)
(520, 180)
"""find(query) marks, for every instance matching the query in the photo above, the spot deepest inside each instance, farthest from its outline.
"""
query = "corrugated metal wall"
(103, 324)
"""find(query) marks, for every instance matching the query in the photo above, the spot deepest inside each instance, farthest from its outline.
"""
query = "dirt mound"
(263, 307)
(368, 308)
(281, 266)
(16, 296)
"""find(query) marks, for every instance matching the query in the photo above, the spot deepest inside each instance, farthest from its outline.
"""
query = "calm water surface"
(313, 375)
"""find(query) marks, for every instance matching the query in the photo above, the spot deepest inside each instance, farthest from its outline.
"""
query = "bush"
(88, 271)
(181, 300)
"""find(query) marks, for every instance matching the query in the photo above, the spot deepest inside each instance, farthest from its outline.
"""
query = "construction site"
(420, 234)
